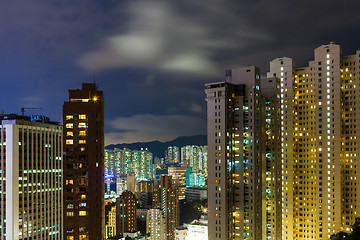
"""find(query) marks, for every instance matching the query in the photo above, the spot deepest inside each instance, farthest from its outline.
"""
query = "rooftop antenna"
(23, 109)
(95, 80)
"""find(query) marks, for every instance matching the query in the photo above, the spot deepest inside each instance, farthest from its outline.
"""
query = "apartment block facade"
(320, 179)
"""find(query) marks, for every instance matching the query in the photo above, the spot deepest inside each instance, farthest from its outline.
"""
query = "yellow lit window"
(82, 237)
(82, 149)
(83, 196)
(82, 116)
(70, 214)
(69, 182)
(70, 238)
(82, 213)
(69, 125)
(82, 125)
(69, 141)
(69, 117)
(82, 141)
(82, 133)
(69, 134)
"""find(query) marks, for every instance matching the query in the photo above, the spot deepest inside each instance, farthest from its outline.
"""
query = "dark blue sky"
(152, 58)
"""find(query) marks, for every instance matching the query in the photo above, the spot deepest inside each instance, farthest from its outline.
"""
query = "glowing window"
(82, 141)
(69, 141)
(82, 133)
(69, 134)
(83, 196)
(69, 182)
(82, 205)
(69, 214)
(82, 213)
(69, 117)
(69, 125)
(82, 237)
(82, 116)
(82, 125)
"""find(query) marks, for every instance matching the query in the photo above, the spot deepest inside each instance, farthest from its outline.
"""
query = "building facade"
(31, 178)
(155, 224)
(83, 119)
(236, 149)
(319, 108)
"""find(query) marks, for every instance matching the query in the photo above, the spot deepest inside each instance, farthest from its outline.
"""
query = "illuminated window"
(71, 182)
(70, 214)
(69, 134)
(82, 149)
(82, 213)
(82, 133)
(82, 205)
(69, 125)
(82, 237)
(69, 117)
(83, 196)
(82, 116)
(82, 141)
(82, 125)
(69, 141)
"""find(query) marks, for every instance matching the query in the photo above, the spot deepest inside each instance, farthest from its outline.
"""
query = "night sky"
(152, 58)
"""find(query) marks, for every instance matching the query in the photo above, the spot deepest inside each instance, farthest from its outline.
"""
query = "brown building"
(169, 205)
(83, 131)
(126, 213)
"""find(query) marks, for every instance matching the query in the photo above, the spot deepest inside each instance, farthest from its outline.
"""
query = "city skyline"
(143, 53)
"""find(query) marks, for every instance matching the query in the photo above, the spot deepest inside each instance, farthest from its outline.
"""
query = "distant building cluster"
(119, 162)
(283, 153)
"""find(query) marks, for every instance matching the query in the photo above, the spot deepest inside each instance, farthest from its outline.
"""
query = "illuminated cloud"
(160, 36)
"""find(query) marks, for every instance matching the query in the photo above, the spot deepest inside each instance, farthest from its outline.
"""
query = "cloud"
(196, 108)
(160, 36)
(147, 127)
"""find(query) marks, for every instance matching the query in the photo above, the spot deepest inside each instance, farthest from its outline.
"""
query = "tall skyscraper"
(319, 112)
(83, 118)
(237, 165)
(31, 178)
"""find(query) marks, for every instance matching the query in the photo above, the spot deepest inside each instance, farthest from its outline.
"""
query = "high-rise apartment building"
(126, 205)
(310, 138)
(239, 143)
(178, 175)
(319, 109)
(172, 155)
(119, 162)
(83, 119)
(31, 178)
(166, 198)
(155, 224)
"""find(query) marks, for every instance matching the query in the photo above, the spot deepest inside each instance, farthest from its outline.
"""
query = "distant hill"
(158, 148)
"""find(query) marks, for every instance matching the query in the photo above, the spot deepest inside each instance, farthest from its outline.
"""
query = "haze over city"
(152, 58)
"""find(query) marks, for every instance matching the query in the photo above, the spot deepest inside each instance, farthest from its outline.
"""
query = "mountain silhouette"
(158, 148)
